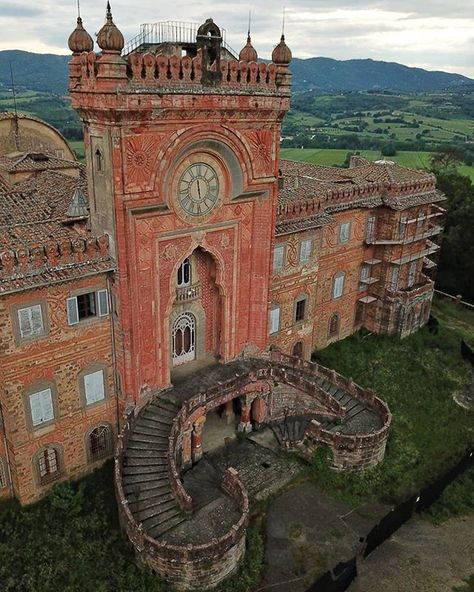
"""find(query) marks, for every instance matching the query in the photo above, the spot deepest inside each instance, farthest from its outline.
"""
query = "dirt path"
(421, 557)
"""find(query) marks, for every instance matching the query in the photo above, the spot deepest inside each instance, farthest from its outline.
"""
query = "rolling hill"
(48, 73)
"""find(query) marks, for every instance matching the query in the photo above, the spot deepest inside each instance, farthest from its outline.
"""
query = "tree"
(456, 264)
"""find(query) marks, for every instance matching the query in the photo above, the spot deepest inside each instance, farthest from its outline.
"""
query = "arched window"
(48, 465)
(297, 350)
(100, 442)
(338, 285)
(184, 274)
(184, 338)
(359, 314)
(334, 325)
(98, 160)
(3, 474)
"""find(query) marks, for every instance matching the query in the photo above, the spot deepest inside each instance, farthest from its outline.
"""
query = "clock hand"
(199, 189)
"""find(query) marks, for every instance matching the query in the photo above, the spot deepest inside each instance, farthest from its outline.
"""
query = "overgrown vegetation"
(457, 500)
(417, 378)
(71, 542)
(468, 586)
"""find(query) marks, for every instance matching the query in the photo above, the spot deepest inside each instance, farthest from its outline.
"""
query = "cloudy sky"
(432, 34)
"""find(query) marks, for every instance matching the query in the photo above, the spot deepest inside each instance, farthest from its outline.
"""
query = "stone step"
(355, 411)
(158, 525)
(141, 463)
(149, 494)
(144, 478)
(339, 394)
(164, 495)
(351, 404)
(152, 424)
(160, 507)
(140, 445)
(142, 430)
(154, 415)
(139, 487)
(143, 470)
(332, 390)
(163, 410)
(140, 453)
(345, 399)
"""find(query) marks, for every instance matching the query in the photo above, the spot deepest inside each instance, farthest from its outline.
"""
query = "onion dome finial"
(248, 52)
(80, 40)
(282, 53)
(109, 38)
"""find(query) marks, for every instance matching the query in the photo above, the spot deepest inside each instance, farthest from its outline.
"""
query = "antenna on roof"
(15, 118)
(78, 8)
(250, 20)
(283, 24)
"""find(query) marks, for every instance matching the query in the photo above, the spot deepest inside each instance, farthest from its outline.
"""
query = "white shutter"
(370, 231)
(274, 320)
(338, 286)
(24, 320)
(72, 311)
(94, 387)
(278, 256)
(41, 405)
(344, 232)
(395, 272)
(37, 320)
(103, 300)
(305, 250)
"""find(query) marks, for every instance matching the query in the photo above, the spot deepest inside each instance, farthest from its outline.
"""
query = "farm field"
(336, 157)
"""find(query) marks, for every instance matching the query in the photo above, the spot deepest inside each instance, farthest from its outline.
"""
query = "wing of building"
(186, 253)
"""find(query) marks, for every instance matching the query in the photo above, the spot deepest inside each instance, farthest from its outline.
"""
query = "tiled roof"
(35, 161)
(39, 243)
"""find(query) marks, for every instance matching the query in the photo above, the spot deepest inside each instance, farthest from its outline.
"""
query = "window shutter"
(103, 300)
(344, 232)
(37, 319)
(72, 311)
(305, 250)
(24, 320)
(278, 255)
(94, 387)
(338, 286)
(395, 272)
(41, 405)
(274, 320)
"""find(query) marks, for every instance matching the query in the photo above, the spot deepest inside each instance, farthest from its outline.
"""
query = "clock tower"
(182, 148)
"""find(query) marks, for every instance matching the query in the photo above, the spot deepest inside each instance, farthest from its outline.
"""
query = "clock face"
(198, 189)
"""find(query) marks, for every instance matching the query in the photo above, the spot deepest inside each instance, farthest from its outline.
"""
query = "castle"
(189, 270)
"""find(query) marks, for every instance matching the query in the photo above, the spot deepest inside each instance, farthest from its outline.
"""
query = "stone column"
(259, 412)
(197, 438)
(245, 424)
(186, 449)
(229, 412)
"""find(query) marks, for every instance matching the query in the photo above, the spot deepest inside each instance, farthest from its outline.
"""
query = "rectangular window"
(274, 320)
(402, 227)
(370, 229)
(86, 306)
(412, 274)
(364, 275)
(420, 223)
(338, 288)
(278, 257)
(300, 310)
(394, 279)
(41, 405)
(30, 321)
(344, 232)
(306, 248)
(94, 387)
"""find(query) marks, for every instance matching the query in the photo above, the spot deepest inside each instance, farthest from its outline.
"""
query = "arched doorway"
(184, 339)
(297, 350)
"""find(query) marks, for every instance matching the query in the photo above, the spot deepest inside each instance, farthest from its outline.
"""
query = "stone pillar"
(186, 449)
(259, 412)
(229, 412)
(245, 424)
(197, 438)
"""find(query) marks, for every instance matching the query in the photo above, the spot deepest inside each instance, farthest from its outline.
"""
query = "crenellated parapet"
(26, 265)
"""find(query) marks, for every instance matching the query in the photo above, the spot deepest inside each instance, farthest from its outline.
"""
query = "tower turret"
(80, 40)
(248, 52)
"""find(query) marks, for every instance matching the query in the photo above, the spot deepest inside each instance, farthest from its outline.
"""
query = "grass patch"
(71, 541)
(467, 587)
(417, 378)
(457, 500)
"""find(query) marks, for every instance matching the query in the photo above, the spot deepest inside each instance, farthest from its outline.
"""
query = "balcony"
(188, 293)
(432, 230)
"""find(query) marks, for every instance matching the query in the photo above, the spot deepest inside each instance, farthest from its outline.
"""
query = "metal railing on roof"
(169, 32)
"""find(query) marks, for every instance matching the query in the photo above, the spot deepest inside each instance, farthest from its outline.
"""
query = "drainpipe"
(7, 453)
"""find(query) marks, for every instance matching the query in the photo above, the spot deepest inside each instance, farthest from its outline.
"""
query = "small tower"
(209, 41)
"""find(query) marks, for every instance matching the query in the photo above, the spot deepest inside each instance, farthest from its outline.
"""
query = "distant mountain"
(34, 71)
(328, 75)
(48, 73)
